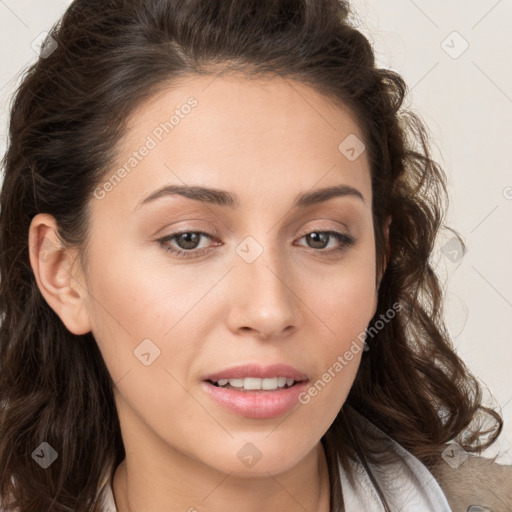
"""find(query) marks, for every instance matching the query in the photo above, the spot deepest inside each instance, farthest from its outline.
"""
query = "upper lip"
(258, 371)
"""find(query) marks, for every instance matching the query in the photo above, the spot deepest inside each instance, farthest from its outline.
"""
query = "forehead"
(271, 135)
(239, 106)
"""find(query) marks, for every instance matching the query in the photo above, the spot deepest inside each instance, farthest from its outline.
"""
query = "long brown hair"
(103, 60)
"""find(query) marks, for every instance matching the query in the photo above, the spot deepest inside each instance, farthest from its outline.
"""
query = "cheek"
(345, 304)
(346, 298)
(142, 305)
(131, 304)
(338, 354)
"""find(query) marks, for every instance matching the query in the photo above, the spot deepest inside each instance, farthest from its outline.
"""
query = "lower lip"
(258, 404)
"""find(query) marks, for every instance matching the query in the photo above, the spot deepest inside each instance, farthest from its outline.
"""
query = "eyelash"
(347, 241)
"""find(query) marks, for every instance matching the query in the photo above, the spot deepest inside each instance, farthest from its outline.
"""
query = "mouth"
(255, 384)
(256, 391)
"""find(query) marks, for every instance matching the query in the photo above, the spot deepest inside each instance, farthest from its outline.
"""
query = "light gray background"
(465, 97)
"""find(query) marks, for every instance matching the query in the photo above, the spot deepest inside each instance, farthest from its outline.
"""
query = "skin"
(265, 141)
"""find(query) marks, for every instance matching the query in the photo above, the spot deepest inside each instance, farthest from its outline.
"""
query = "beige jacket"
(477, 481)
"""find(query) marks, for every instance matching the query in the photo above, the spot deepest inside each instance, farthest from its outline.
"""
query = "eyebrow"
(230, 200)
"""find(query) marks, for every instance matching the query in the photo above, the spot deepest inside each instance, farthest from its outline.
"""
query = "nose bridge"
(266, 301)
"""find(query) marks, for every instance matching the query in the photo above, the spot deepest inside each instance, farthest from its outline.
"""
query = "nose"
(264, 300)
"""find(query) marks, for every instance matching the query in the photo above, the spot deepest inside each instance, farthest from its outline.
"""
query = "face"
(182, 287)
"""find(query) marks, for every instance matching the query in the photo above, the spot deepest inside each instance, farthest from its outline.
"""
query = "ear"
(58, 275)
(387, 223)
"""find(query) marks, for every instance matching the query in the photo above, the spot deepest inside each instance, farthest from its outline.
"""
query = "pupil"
(187, 237)
(319, 236)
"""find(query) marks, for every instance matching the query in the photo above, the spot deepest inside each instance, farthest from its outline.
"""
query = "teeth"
(251, 383)
(255, 383)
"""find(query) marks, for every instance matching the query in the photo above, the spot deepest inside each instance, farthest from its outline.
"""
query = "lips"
(257, 405)
(258, 371)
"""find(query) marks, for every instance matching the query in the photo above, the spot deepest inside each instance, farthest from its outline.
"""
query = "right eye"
(188, 239)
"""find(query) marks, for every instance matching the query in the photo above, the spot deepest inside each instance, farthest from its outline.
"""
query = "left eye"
(320, 237)
(188, 241)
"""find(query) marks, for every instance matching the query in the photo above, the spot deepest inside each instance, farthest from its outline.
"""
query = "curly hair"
(67, 118)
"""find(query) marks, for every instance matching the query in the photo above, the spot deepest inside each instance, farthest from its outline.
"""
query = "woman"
(216, 224)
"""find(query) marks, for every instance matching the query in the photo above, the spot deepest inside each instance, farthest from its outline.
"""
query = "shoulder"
(476, 481)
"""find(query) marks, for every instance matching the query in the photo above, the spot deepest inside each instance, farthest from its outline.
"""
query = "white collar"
(407, 485)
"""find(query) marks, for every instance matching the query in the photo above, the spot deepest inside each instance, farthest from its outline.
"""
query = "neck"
(305, 487)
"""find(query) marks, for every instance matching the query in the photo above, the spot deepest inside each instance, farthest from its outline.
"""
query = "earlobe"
(54, 268)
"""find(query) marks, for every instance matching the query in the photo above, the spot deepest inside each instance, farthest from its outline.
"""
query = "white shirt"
(407, 485)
